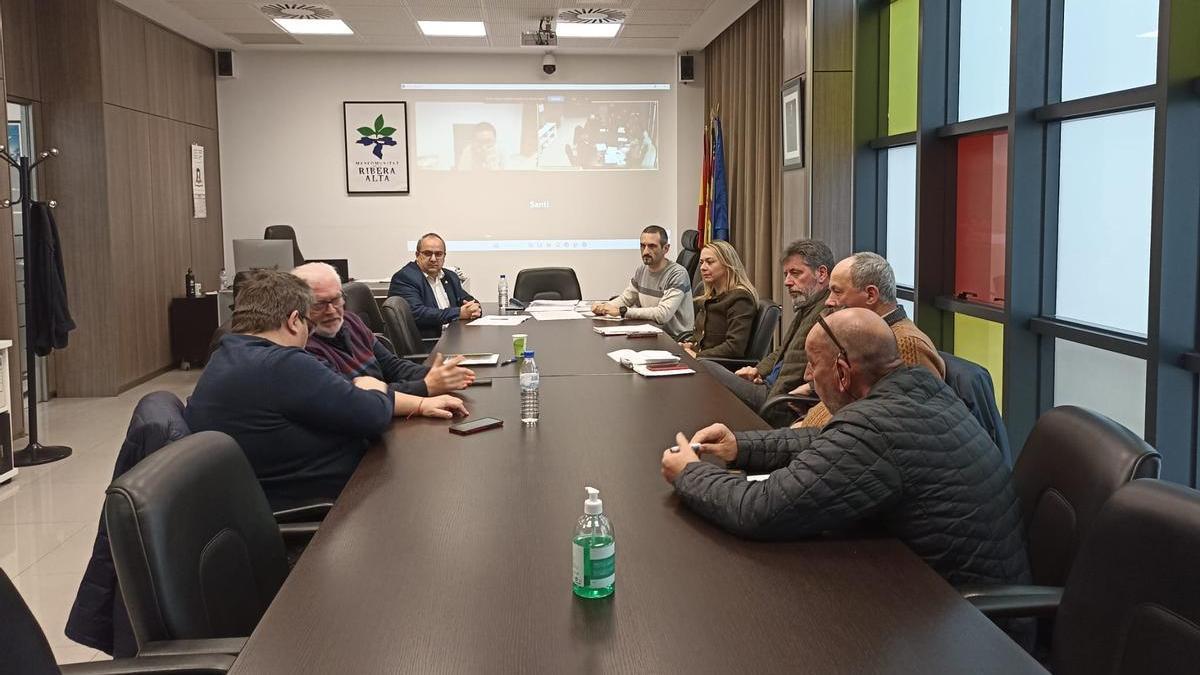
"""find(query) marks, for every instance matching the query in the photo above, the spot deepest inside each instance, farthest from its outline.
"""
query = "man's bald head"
(870, 353)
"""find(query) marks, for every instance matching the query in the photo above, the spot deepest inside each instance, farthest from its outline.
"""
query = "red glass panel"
(979, 273)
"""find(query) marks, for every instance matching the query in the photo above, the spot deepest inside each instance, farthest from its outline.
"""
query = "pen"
(508, 361)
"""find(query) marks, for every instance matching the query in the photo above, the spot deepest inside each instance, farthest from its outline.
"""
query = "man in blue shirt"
(303, 427)
(436, 298)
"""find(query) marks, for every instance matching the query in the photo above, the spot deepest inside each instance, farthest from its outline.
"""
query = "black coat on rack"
(48, 318)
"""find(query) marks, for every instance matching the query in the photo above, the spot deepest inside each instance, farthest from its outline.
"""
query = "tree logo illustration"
(378, 136)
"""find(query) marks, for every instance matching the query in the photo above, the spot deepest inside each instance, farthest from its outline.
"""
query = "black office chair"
(1073, 461)
(689, 252)
(197, 550)
(547, 283)
(401, 327)
(973, 384)
(361, 301)
(25, 650)
(288, 233)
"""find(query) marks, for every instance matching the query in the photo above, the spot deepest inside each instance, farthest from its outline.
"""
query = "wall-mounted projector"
(544, 36)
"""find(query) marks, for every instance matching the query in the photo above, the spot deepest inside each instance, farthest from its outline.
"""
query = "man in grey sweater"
(660, 290)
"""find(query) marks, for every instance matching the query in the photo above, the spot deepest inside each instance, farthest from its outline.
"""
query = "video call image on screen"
(548, 133)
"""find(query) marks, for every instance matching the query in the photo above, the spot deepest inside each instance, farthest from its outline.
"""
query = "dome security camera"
(549, 66)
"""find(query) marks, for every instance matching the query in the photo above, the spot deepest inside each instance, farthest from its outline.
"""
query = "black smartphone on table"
(475, 426)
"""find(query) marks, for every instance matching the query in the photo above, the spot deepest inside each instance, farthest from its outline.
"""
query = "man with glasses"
(436, 298)
(866, 280)
(303, 428)
(902, 454)
(343, 342)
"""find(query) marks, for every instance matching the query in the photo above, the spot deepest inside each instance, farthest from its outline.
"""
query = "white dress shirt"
(439, 291)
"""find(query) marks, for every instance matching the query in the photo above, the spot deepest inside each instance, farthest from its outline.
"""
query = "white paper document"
(630, 357)
(476, 359)
(645, 371)
(609, 331)
(498, 320)
(551, 304)
(558, 315)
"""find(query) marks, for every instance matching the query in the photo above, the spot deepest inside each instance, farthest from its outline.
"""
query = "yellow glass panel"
(982, 341)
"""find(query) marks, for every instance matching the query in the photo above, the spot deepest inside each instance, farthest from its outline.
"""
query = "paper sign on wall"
(199, 195)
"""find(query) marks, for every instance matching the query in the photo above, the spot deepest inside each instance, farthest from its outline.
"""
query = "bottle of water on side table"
(502, 292)
(529, 390)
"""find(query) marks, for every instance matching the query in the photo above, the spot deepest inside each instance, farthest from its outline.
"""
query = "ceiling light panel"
(453, 28)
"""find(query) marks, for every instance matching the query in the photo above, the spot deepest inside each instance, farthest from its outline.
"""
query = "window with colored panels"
(902, 213)
(980, 216)
(1104, 202)
(1112, 384)
(1108, 45)
(983, 58)
(902, 66)
(982, 342)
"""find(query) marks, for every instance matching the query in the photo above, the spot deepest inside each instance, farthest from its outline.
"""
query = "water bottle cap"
(501, 276)
(528, 353)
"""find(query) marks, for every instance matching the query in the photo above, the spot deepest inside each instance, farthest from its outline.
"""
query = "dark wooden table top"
(453, 554)
(560, 348)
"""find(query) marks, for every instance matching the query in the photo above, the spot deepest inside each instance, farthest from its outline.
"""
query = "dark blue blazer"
(410, 283)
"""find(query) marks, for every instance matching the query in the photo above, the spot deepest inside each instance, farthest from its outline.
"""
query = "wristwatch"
(622, 310)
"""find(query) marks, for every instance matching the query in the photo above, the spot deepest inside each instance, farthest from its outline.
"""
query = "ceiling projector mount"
(546, 36)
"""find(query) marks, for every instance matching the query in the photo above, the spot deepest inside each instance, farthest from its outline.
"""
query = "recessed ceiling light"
(453, 28)
(587, 30)
(314, 26)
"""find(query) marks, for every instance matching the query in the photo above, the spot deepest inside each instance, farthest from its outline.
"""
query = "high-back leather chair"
(24, 649)
(973, 384)
(689, 252)
(547, 283)
(361, 301)
(1072, 462)
(401, 328)
(197, 550)
(1132, 602)
(288, 233)
(766, 321)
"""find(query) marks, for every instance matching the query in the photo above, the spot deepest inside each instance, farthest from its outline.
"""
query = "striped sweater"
(664, 297)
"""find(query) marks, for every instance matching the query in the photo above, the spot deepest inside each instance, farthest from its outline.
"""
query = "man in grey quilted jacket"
(901, 453)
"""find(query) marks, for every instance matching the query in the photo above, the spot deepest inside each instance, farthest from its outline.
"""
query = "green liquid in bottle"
(594, 561)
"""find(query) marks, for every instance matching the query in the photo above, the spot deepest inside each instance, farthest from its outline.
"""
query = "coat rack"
(35, 452)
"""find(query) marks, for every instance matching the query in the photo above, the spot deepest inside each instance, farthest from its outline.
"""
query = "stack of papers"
(609, 331)
(477, 359)
(498, 320)
(631, 358)
(550, 305)
(558, 315)
(645, 371)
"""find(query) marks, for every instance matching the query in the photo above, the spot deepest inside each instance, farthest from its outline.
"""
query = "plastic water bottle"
(593, 551)
(503, 293)
(529, 390)
(225, 284)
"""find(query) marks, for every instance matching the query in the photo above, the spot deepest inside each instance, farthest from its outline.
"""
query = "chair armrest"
(299, 533)
(730, 364)
(232, 646)
(386, 342)
(1012, 600)
(309, 513)
(195, 664)
(430, 341)
(804, 402)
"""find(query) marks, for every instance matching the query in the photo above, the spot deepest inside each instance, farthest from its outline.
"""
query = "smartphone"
(475, 426)
(483, 382)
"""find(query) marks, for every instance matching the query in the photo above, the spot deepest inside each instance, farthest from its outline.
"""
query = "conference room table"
(449, 554)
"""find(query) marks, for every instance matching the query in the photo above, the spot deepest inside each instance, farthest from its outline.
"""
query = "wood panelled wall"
(124, 99)
(831, 104)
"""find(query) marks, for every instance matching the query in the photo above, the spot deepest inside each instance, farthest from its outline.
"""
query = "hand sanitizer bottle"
(594, 553)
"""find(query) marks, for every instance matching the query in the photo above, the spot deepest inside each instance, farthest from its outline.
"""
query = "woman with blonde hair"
(725, 312)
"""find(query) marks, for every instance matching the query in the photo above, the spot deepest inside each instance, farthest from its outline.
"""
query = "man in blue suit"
(436, 298)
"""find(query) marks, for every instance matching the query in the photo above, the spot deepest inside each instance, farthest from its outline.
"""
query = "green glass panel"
(982, 341)
(902, 66)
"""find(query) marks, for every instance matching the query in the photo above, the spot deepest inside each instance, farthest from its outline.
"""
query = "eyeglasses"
(432, 254)
(837, 343)
(324, 305)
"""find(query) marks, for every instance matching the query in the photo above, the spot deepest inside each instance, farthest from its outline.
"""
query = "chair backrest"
(973, 384)
(197, 551)
(547, 283)
(23, 644)
(361, 301)
(1132, 603)
(689, 251)
(288, 233)
(1072, 462)
(400, 326)
(766, 321)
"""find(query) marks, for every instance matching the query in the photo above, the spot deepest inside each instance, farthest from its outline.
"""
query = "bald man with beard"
(900, 454)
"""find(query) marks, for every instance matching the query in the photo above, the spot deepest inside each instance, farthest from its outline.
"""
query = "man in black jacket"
(901, 453)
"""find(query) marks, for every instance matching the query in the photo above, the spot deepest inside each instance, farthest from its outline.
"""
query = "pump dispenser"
(594, 552)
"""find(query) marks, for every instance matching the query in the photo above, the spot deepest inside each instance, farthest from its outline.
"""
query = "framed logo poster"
(376, 147)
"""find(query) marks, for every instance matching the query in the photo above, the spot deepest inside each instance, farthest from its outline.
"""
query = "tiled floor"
(48, 514)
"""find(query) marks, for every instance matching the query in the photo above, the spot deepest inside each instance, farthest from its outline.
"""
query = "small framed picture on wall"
(376, 137)
(792, 99)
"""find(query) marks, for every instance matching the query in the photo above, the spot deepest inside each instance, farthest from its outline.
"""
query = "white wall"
(282, 162)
